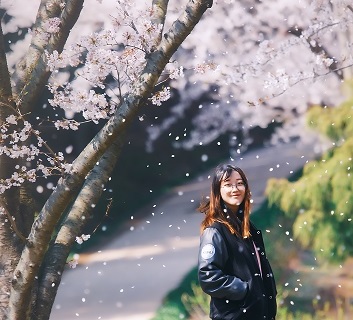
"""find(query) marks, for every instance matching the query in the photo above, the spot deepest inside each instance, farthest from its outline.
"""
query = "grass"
(173, 307)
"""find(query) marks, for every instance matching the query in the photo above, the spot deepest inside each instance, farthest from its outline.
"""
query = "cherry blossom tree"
(266, 62)
(117, 69)
(256, 63)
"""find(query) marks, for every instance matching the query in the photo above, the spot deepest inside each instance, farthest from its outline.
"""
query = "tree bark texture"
(80, 213)
(10, 245)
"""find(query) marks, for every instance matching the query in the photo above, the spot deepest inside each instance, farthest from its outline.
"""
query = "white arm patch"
(208, 251)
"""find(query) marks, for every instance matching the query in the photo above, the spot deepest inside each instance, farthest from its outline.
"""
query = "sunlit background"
(266, 86)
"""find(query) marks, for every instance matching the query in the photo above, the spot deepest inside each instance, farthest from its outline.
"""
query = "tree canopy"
(320, 201)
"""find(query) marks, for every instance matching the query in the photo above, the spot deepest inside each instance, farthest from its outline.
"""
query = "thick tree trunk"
(80, 213)
(10, 245)
(30, 78)
(9, 256)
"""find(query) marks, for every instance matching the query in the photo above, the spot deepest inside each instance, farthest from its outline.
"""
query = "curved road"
(128, 278)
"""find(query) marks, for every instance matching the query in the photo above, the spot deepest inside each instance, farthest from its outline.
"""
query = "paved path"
(128, 278)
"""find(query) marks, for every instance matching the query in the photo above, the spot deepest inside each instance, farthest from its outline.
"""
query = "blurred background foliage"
(320, 202)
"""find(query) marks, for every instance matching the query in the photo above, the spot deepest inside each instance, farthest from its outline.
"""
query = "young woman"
(233, 268)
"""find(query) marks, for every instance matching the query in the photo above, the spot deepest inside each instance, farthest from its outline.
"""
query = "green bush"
(196, 303)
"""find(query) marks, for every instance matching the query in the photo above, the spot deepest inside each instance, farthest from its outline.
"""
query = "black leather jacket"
(229, 272)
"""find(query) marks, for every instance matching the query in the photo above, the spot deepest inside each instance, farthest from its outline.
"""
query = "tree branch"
(6, 104)
(10, 198)
(160, 11)
(31, 73)
(184, 24)
(5, 84)
(316, 76)
(12, 222)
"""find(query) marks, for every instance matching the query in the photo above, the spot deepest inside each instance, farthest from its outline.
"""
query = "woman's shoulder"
(221, 227)
(216, 227)
(215, 224)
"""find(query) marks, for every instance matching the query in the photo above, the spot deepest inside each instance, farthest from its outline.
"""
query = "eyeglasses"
(240, 185)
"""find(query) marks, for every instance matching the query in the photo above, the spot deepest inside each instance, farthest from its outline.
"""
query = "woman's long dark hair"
(214, 207)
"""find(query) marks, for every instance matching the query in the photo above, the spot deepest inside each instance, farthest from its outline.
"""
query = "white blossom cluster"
(175, 71)
(72, 264)
(118, 52)
(15, 144)
(52, 25)
(160, 96)
(205, 66)
(82, 238)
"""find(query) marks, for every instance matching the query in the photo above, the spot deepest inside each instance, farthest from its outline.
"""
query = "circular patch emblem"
(208, 251)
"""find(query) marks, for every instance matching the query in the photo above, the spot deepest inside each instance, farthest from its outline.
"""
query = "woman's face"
(233, 190)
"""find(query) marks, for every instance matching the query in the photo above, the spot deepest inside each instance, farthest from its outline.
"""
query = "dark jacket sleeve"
(212, 258)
